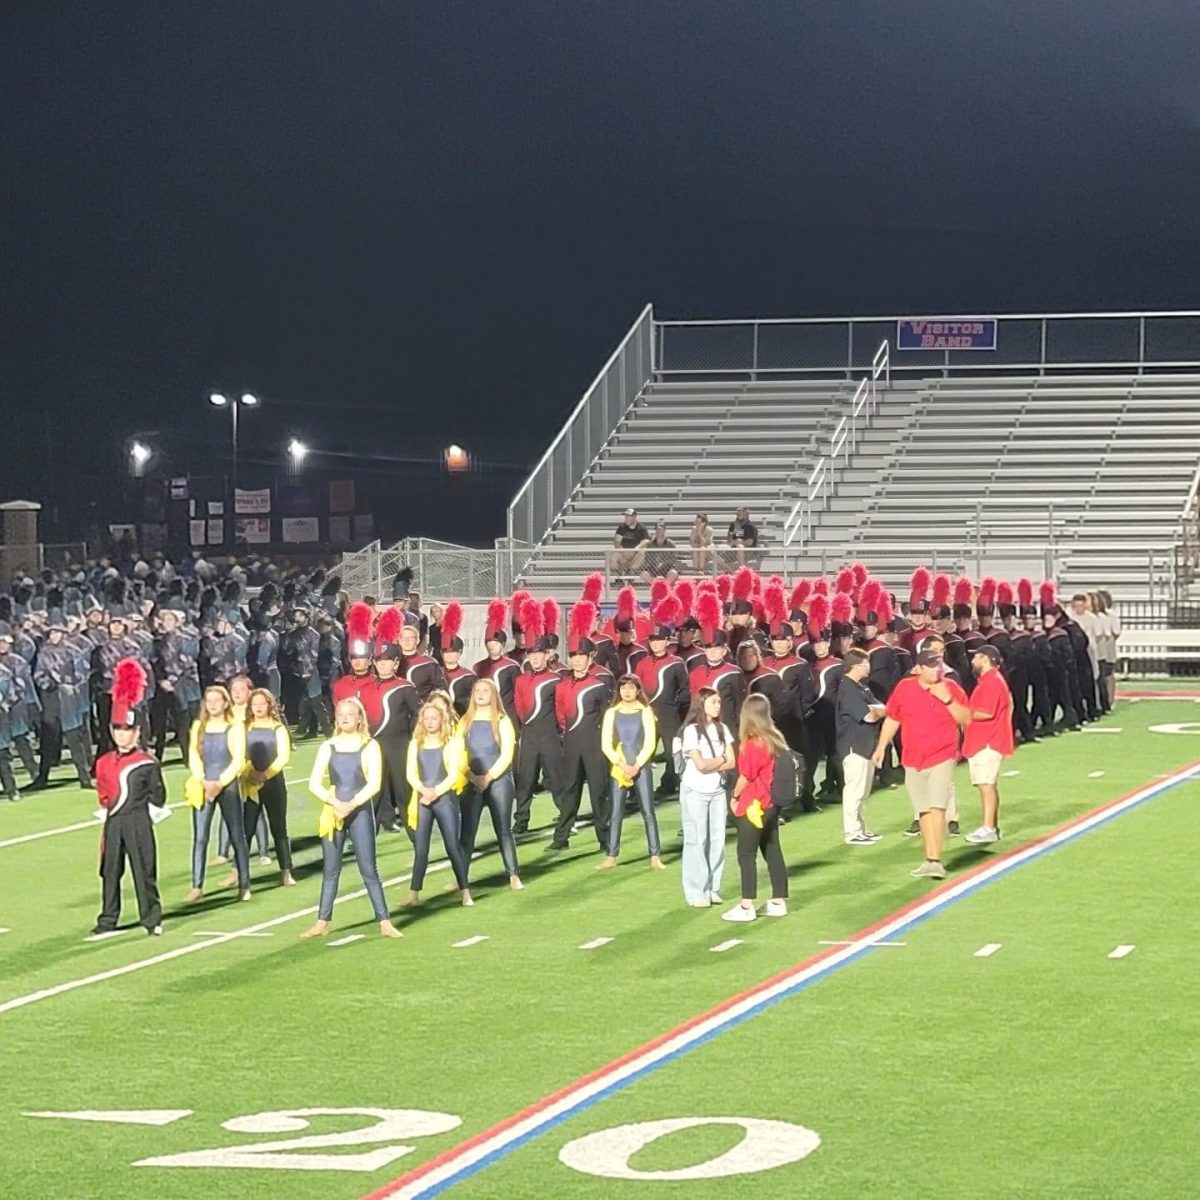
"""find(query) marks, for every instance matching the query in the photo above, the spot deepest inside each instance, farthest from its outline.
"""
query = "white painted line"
(1121, 952)
(1011, 774)
(4, 929)
(595, 943)
(135, 1116)
(345, 941)
(721, 947)
(1137, 700)
(1101, 729)
(862, 943)
(988, 950)
(471, 941)
(103, 937)
(1095, 774)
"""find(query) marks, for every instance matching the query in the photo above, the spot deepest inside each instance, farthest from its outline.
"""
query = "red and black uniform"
(127, 785)
(885, 667)
(363, 688)
(912, 639)
(629, 655)
(796, 705)
(957, 659)
(1039, 664)
(539, 750)
(503, 672)
(579, 705)
(1016, 672)
(827, 675)
(665, 681)
(398, 706)
(605, 654)
(727, 681)
(425, 674)
(1064, 686)
(460, 681)
(995, 636)
(690, 655)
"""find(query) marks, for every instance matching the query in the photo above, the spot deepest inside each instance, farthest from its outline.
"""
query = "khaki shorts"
(985, 766)
(930, 788)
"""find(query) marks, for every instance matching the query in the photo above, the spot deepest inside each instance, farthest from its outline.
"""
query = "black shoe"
(952, 829)
(557, 847)
(914, 830)
(102, 929)
(520, 828)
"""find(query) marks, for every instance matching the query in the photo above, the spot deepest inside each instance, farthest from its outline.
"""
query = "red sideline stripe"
(389, 1189)
(1158, 695)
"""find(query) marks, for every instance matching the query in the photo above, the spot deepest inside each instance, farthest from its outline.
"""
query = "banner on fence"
(256, 500)
(301, 529)
(254, 531)
(945, 333)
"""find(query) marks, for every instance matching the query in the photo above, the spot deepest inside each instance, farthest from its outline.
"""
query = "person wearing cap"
(629, 541)
(661, 560)
(177, 698)
(9, 698)
(23, 700)
(628, 738)
(498, 666)
(264, 654)
(1016, 667)
(723, 676)
(129, 785)
(459, 679)
(741, 536)
(629, 650)
(224, 648)
(540, 749)
(686, 645)
(665, 682)
(929, 711)
(822, 726)
(423, 672)
(859, 711)
(391, 722)
(61, 678)
(988, 740)
(1060, 674)
(580, 700)
(300, 650)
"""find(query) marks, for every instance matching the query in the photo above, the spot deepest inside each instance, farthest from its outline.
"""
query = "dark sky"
(448, 213)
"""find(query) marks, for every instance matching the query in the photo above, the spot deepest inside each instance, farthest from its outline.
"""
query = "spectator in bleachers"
(701, 542)
(742, 537)
(661, 559)
(629, 542)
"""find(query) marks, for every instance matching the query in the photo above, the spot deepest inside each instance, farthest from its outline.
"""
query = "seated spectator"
(661, 560)
(742, 536)
(628, 552)
(701, 542)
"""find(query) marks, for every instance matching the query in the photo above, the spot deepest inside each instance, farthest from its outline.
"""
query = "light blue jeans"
(703, 842)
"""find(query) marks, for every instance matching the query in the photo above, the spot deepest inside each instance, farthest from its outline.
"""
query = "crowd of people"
(752, 695)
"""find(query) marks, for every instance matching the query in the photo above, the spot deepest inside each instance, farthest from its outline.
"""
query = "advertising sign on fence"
(254, 531)
(301, 529)
(257, 500)
(945, 333)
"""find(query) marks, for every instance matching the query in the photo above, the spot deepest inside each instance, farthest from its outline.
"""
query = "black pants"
(50, 735)
(583, 759)
(667, 722)
(1035, 700)
(1087, 688)
(1018, 684)
(314, 716)
(539, 751)
(391, 805)
(8, 781)
(129, 836)
(643, 791)
(499, 801)
(25, 754)
(272, 799)
(750, 841)
(444, 811)
(168, 712)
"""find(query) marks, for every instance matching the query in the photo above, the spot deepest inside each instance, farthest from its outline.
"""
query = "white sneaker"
(775, 908)
(862, 839)
(705, 903)
(739, 914)
(714, 898)
(983, 836)
(264, 860)
(929, 870)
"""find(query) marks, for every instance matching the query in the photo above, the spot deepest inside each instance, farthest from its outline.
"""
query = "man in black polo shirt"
(858, 714)
(661, 560)
(629, 541)
(742, 536)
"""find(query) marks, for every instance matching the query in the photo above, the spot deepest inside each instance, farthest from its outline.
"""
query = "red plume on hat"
(743, 583)
(358, 629)
(774, 605)
(987, 592)
(497, 615)
(593, 588)
(551, 617)
(685, 593)
(517, 606)
(941, 590)
(919, 585)
(530, 618)
(843, 608)
(128, 688)
(884, 609)
(801, 593)
(868, 600)
(583, 621)
(708, 614)
(626, 604)
(724, 587)
(388, 628)
(1047, 594)
(1025, 593)
(845, 580)
(668, 611)
(452, 619)
(820, 586)
(1004, 593)
(964, 591)
(860, 575)
(818, 616)
(659, 590)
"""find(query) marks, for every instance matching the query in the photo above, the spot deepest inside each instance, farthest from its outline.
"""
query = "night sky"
(406, 224)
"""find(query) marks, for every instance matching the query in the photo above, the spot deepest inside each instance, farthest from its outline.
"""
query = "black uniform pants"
(498, 799)
(1018, 683)
(272, 799)
(314, 715)
(391, 805)
(750, 841)
(1036, 698)
(51, 738)
(667, 721)
(8, 781)
(25, 754)
(583, 759)
(539, 751)
(129, 836)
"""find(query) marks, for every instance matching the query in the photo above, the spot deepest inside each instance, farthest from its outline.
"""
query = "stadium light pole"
(233, 403)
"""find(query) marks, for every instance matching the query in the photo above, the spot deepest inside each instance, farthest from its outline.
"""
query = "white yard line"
(1121, 952)
(595, 943)
(862, 943)
(345, 941)
(471, 941)
(988, 950)
(137, 1116)
(721, 947)
(1095, 774)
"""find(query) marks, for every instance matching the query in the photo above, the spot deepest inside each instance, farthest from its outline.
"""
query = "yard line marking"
(4, 929)
(1121, 952)
(595, 943)
(988, 950)
(486, 1147)
(1011, 774)
(135, 1116)
(1149, 695)
(471, 941)
(104, 937)
(140, 964)
(853, 943)
(1101, 729)
(1095, 774)
(345, 941)
(721, 947)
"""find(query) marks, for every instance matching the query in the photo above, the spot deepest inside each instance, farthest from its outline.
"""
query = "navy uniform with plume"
(61, 677)
(301, 650)
(129, 784)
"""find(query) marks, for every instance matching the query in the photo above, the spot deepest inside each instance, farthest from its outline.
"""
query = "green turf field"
(1044, 1069)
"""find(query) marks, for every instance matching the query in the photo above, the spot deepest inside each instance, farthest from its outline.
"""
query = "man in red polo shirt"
(930, 710)
(989, 738)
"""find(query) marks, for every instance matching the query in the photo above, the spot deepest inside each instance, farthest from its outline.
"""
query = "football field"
(1029, 1027)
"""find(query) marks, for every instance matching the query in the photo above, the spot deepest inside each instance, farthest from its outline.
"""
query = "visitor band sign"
(946, 333)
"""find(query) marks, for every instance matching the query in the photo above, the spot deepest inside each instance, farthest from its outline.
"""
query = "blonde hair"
(272, 706)
(421, 735)
(756, 722)
(361, 728)
(223, 692)
(494, 712)
(443, 700)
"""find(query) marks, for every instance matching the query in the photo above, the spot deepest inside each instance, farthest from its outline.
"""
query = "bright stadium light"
(456, 458)
(298, 451)
(140, 453)
(249, 399)
(218, 399)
